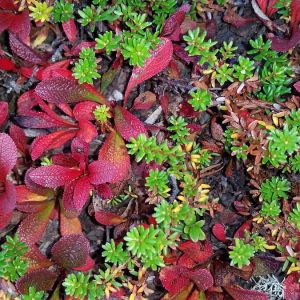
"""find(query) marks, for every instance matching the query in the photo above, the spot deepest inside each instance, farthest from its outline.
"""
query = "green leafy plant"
(102, 114)
(294, 216)
(224, 73)
(178, 126)
(196, 45)
(40, 11)
(157, 183)
(200, 99)
(275, 188)
(85, 69)
(77, 285)
(13, 265)
(114, 254)
(227, 50)
(62, 11)
(244, 69)
(240, 151)
(295, 163)
(33, 294)
(241, 253)
(108, 42)
(270, 209)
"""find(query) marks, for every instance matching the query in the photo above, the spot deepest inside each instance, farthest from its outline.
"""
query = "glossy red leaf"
(70, 30)
(127, 124)
(295, 14)
(6, 64)
(104, 191)
(44, 73)
(4, 219)
(219, 232)
(87, 131)
(41, 280)
(81, 192)
(8, 155)
(53, 176)
(7, 4)
(71, 251)
(172, 279)
(113, 161)
(67, 90)
(34, 187)
(80, 149)
(291, 287)
(202, 278)
(240, 233)
(7, 198)
(238, 293)
(108, 218)
(36, 259)
(6, 20)
(21, 26)
(84, 110)
(158, 61)
(50, 141)
(26, 102)
(19, 137)
(67, 203)
(33, 226)
(90, 263)
(84, 44)
(3, 112)
(24, 51)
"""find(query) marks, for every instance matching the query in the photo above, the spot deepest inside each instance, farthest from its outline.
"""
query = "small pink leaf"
(8, 155)
(158, 61)
(113, 161)
(108, 218)
(71, 251)
(238, 293)
(3, 112)
(70, 30)
(127, 124)
(292, 287)
(67, 90)
(218, 231)
(53, 176)
(297, 86)
(24, 51)
(41, 280)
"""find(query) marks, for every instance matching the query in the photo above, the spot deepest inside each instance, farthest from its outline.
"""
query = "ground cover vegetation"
(149, 149)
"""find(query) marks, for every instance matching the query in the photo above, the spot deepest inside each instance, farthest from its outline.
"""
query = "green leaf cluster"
(294, 216)
(33, 294)
(62, 11)
(157, 183)
(241, 253)
(200, 99)
(178, 126)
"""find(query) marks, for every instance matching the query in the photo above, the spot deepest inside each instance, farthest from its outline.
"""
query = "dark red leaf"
(6, 64)
(50, 141)
(70, 30)
(104, 191)
(292, 287)
(108, 218)
(158, 61)
(8, 155)
(6, 20)
(41, 280)
(164, 103)
(238, 293)
(295, 14)
(84, 44)
(66, 90)
(21, 26)
(144, 101)
(53, 176)
(71, 251)
(284, 45)
(36, 259)
(7, 198)
(235, 19)
(219, 232)
(81, 192)
(240, 233)
(87, 131)
(18, 136)
(45, 73)
(87, 266)
(4, 219)
(3, 112)
(7, 4)
(113, 161)
(33, 226)
(172, 280)
(24, 51)
(84, 110)
(127, 124)
(202, 278)
(297, 86)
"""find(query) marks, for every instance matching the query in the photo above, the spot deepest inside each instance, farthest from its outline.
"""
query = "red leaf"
(71, 251)
(263, 5)
(87, 131)
(33, 226)
(292, 287)
(25, 52)
(87, 266)
(84, 44)
(50, 141)
(81, 192)
(4, 219)
(235, 19)
(164, 103)
(6, 64)
(8, 155)
(36, 259)
(53, 176)
(70, 30)
(240, 233)
(198, 252)
(284, 45)
(41, 280)
(104, 191)
(158, 61)
(7, 198)
(21, 26)
(238, 293)
(108, 218)
(69, 225)
(3, 112)
(295, 14)
(6, 20)
(172, 280)
(144, 101)
(67, 90)
(84, 110)
(218, 231)
(127, 124)
(202, 278)
(297, 86)
(113, 161)
(7, 4)
(19, 138)
(45, 73)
